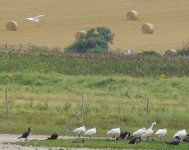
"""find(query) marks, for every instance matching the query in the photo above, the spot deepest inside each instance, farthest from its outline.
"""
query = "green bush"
(96, 40)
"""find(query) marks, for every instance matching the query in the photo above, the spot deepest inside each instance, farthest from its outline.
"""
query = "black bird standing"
(123, 135)
(129, 136)
(134, 140)
(26, 134)
(186, 139)
(176, 142)
(53, 136)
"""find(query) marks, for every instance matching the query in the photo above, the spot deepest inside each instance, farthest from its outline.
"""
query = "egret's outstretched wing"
(38, 16)
(29, 19)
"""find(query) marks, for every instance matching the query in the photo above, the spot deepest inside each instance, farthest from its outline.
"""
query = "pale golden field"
(63, 18)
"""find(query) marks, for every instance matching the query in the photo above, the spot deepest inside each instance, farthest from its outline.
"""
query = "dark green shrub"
(96, 40)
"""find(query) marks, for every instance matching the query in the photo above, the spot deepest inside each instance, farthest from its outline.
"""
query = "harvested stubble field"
(64, 18)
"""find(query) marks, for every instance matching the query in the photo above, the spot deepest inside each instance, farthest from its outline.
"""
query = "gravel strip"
(6, 138)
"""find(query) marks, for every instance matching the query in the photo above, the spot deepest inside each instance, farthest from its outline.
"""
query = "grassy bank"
(51, 91)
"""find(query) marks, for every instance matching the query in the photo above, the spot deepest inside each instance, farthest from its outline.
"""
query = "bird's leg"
(140, 139)
(153, 138)
(79, 135)
(147, 138)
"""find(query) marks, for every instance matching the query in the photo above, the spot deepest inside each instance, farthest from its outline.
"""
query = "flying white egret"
(181, 134)
(113, 132)
(79, 130)
(139, 133)
(149, 131)
(90, 132)
(161, 133)
(35, 19)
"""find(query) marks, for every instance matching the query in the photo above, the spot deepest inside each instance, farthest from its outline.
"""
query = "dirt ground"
(6, 138)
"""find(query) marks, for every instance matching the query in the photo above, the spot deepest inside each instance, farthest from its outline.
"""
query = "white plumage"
(161, 133)
(79, 130)
(35, 19)
(181, 134)
(90, 132)
(149, 131)
(139, 132)
(113, 132)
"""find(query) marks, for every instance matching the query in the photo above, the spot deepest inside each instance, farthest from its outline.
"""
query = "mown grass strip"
(102, 143)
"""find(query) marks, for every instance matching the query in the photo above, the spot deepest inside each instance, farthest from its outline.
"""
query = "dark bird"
(26, 134)
(123, 135)
(53, 136)
(186, 139)
(129, 136)
(175, 142)
(134, 140)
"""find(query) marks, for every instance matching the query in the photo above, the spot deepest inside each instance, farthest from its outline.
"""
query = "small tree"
(96, 40)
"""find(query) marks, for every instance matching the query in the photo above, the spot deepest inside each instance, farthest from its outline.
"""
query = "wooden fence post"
(147, 105)
(82, 106)
(6, 102)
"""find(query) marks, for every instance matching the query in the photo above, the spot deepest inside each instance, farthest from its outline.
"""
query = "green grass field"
(102, 143)
(51, 99)
(50, 90)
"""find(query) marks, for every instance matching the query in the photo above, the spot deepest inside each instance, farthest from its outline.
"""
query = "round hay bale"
(170, 52)
(147, 28)
(12, 26)
(79, 34)
(132, 15)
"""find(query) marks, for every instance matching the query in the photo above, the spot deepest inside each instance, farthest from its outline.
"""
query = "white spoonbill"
(139, 133)
(79, 130)
(113, 132)
(149, 131)
(90, 132)
(35, 19)
(181, 134)
(161, 133)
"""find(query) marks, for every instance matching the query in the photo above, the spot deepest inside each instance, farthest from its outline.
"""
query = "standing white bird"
(113, 132)
(161, 133)
(149, 131)
(79, 130)
(90, 132)
(139, 133)
(35, 19)
(181, 134)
